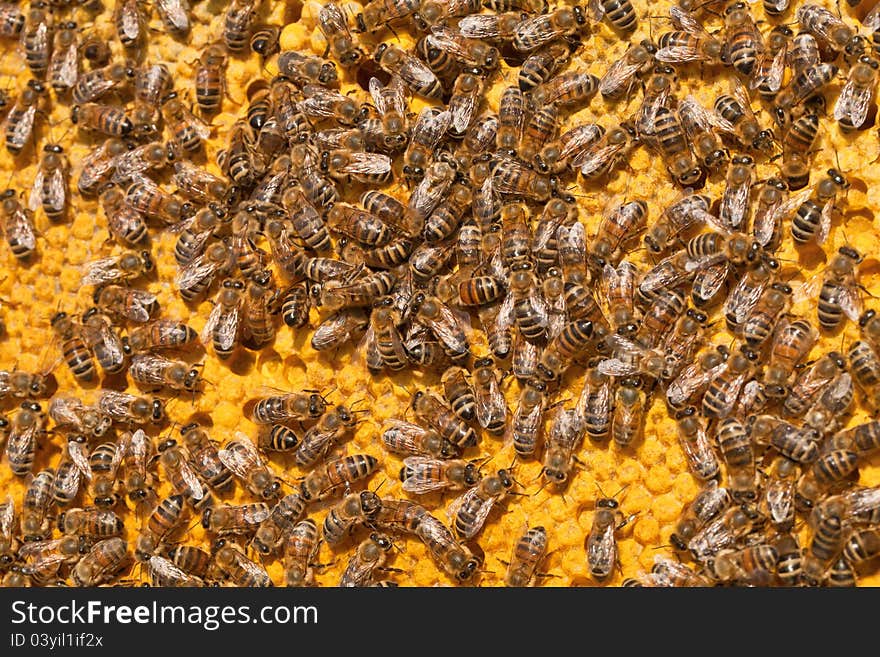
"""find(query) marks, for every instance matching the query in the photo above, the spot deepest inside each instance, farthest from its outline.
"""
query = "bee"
(181, 475)
(369, 557)
(339, 328)
(694, 439)
(527, 418)
(800, 137)
(766, 314)
(379, 13)
(455, 558)
(790, 344)
(535, 31)
(711, 501)
(698, 125)
(401, 437)
(368, 168)
(223, 326)
(71, 471)
(130, 23)
(755, 564)
(193, 280)
(18, 226)
(89, 421)
(36, 40)
(174, 15)
(744, 43)
(225, 520)
(271, 533)
(238, 22)
(109, 120)
(104, 462)
(735, 116)
(243, 459)
(164, 572)
(416, 75)
(45, 558)
(191, 560)
(824, 25)
(726, 385)
(74, 350)
(778, 495)
(137, 480)
(33, 520)
(827, 543)
(812, 219)
(434, 13)
(305, 70)
(128, 303)
(104, 561)
(724, 531)
(528, 552)
(21, 384)
(861, 546)
(295, 305)
(265, 40)
(421, 474)
(98, 82)
(210, 78)
(330, 428)
(154, 371)
(354, 509)
(469, 511)
(160, 334)
(471, 53)
(125, 224)
(865, 367)
(390, 102)
(565, 435)
(768, 76)
(90, 523)
(104, 342)
(63, 71)
(323, 481)
(162, 524)
(811, 381)
(490, 406)
(687, 211)
(601, 543)
(689, 42)
(853, 103)
(188, 131)
(126, 266)
(442, 419)
(807, 83)
(621, 75)
(490, 27)
(97, 167)
(300, 551)
(18, 128)
(605, 154)
(236, 567)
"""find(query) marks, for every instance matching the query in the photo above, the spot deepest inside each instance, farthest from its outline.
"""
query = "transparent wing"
(240, 455)
(421, 481)
(35, 200)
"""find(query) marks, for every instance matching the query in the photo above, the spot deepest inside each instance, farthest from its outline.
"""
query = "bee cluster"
(419, 203)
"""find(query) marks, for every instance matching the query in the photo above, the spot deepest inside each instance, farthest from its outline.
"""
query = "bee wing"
(700, 455)
(691, 379)
(696, 114)
(863, 500)
(824, 227)
(174, 14)
(139, 446)
(734, 203)
(774, 75)
(682, 19)
(665, 273)
(505, 317)
(618, 76)
(421, 482)
(766, 222)
(20, 228)
(331, 20)
(491, 405)
(391, 97)
(227, 326)
(161, 569)
(57, 195)
(463, 107)
(66, 66)
(739, 92)
(416, 73)
(196, 271)
(35, 199)
(243, 458)
(712, 278)
(147, 369)
(576, 141)
(678, 54)
(35, 548)
(592, 160)
(616, 367)
(129, 21)
(319, 102)
(732, 389)
(479, 26)
(78, 453)
(849, 301)
(872, 19)
(602, 548)
(255, 572)
(839, 391)
(430, 126)
(103, 270)
(446, 40)
(7, 517)
(461, 502)
(367, 163)
(17, 133)
(139, 309)
(853, 103)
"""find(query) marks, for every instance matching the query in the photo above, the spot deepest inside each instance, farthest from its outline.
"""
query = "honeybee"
(825, 25)
(379, 13)
(768, 76)
(354, 509)
(109, 120)
(70, 412)
(181, 475)
(164, 572)
(699, 127)
(243, 459)
(694, 439)
(323, 481)
(706, 506)
(98, 82)
(601, 543)
(777, 497)
(210, 78)
(174, 15)
(164, 521)
(101, 338)
(744, 43)
(18, 127)
(137, 480)
(811, 381)
(469, 511)
(33, 520)
(154, 371)
(401, 437)
(18, 226)
(490, 27)
(63, 70)
(606, 153)
(421, 474)
(513, 178)
(128, 303)
(766, 315)
(222, 329)
(71, 471)
(36, 40)
(369, 557)
(535, 31)
(807, 83)
(74, 351)
(338, 328)
(128, 265)
(194, 279)
(331, 427)
(727, 384)
(188, 132)
(45, 558)
(90, 523)
(125, 224)
(130, 23)
(235, 566)
(724, 531)
(471, 53)
(300, 551)
(390, 102)
(102, 563)
(690, 42)
(225, 520)
(415, 74)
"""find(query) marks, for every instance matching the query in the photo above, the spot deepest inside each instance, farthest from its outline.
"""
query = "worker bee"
(181, 475)
(74, 350)
(300, 551)
(137, 480)
(535, 31)
(825, 25)
(109, 120)
(340, 42)
(711, 501)
(271, 533)
(128, 303)
(390, 103)
(236, 567)
(243, 459)
(853, 103)
(204, 458)
(63, 71)
(98, 166)
(490, 27)
(734, 115)
(194, 279)
(330, 428)
(415, 74)
(323, 481)
(807, 83)
(104, 561)
(601, 543)
(225, 520)
(744, 44)
(99, 82)
(90, 523)
(354, 509)
(421, 474)
(102, 339)
(222, 329)
(606, 153)
(33, 520)
(21, 384)
(126, 266)
(18, 226)
(154, 372)
(188, 132)
(698, 125)
(125, 224)
(469, 511)
(379, 13)
(45, 558)
(164, 521)
(123, 407)
(72, 470)
(694, 439)
(369, 557)
(812, 219)
(265, 40)
(769, 73)
(164, 572)
(210, 78)
(528, 552)
(11, 21)
(160, 334)
(238, 22)
(130, 23)
(401, 437)
(36, 40)
(18, 127)
(49, 190)
(72, 413)
(689, 42)
(725, 387)
(174, 15)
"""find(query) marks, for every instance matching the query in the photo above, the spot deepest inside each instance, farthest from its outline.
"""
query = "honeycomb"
(651, 479)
